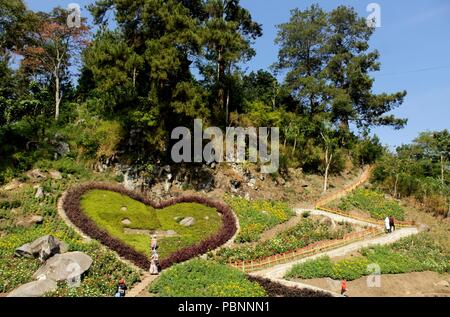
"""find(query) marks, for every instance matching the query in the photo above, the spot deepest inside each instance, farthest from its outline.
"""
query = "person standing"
(387, 224)
(121, 288)
(392, 223)
(154, 264)
(154, 243)
(344, 287)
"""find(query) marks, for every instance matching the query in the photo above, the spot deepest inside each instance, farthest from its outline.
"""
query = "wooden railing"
(261, 263)
(399, 224)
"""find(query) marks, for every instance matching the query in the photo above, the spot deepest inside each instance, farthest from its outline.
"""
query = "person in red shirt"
(344, 287)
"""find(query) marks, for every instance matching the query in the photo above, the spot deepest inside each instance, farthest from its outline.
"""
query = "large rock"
(33, 220)
(55, 175)
(62, 148)
(188, 222)
(423, 228)
(34, 289)
(62, 267)
(12, 185)
(39, 193)
(36, 174)
(43, 248)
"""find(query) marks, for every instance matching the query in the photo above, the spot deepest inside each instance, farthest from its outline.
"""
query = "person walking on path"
(344, 287)
(392, 223)
(154, 264)
(121, 288)
(387, 224)
(154, 243)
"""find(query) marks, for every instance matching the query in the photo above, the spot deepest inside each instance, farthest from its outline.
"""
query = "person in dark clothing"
(392, 223)
(121, 288)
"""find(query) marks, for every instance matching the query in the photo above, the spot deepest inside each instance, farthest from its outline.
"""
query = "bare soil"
(417, 284)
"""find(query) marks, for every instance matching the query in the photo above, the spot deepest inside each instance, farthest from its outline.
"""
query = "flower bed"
(75, 213)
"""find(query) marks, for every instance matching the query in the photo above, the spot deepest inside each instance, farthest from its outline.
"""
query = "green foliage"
(199, 278)
(306, 232)
(257, 216)
(413, 254)
(107, 210)
(419, 170)
(373, 202)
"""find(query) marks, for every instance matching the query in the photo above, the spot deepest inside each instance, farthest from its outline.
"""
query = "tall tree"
(51, 49)
(328, 63)
(228, 33)
(144, 66)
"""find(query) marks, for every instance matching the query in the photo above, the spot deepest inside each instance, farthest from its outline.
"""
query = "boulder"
(126, 222)
(55, 175)
(39, 193)
(36, 174)
(62, 148)
(12, 185)
(423, 228)
(33, 220)
(280, 181)
(252, 183)
(43, 248)
(62, 267)
(188, 222)
(34, 289)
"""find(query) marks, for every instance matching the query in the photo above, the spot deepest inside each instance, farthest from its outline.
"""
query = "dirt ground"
(417, 284)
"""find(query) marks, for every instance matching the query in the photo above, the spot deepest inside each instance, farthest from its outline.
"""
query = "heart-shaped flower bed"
(123, 220)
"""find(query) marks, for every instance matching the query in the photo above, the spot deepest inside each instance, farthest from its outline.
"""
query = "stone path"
(278, 271)
(142, 285)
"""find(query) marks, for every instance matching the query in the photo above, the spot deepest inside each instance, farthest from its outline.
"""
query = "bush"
(200, 278)
(373, 202)
(258, 216)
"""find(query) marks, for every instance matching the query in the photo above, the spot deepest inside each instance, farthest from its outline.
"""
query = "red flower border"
(76, 215)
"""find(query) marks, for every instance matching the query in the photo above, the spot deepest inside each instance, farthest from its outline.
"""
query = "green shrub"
(373, 202)
(258, 216)
(312, 269)
(200, 278)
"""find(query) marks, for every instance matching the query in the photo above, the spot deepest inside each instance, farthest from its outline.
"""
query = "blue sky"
(414, 42)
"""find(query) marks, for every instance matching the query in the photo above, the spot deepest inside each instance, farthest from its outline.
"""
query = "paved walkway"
(141, 286)
(279, 271)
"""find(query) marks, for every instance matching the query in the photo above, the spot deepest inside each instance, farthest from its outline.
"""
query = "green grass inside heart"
(109, 209)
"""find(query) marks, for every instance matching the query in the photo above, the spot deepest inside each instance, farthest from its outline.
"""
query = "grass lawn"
(108, 209)
(370, 201)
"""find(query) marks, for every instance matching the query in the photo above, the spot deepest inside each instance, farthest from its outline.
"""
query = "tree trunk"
(227, 107)
(295, 146)
(395, 185)
(327, 169)
(57, 96)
